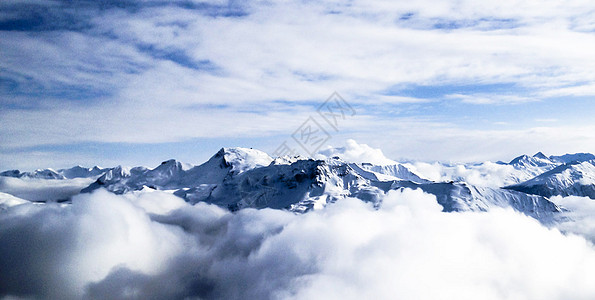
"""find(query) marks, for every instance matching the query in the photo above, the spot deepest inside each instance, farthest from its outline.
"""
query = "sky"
(139, 82)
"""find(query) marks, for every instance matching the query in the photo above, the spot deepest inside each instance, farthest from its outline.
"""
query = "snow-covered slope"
(242, 159)
(572, 179)
(300, 186)
(465, 197)
(387, 172)
(530, 166)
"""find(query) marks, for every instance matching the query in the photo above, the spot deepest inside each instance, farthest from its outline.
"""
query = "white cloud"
(34, 189)
(155, 245)
(79, 244)
(579, 218)
(296, 52)
(484, 174)
(357, 153)
(275, 43)
(362, 49)
(492, 99)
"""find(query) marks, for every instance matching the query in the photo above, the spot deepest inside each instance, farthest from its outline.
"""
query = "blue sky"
(138, 82)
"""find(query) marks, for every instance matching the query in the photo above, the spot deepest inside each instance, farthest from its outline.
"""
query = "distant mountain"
(569, 158)
(531, 166)
(570, 179)
(74, 172)
(82, 172)
(41, 174)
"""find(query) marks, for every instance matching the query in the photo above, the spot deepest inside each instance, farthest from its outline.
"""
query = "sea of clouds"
(153, 245)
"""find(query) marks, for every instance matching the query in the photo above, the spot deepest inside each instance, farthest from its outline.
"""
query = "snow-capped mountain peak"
(82, 172)
(540, 155)
(531, 166)
(538, 160)
(574, 178)
(242, 159)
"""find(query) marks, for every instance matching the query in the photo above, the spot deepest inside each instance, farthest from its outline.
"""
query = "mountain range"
(237, 178)
(74, 172)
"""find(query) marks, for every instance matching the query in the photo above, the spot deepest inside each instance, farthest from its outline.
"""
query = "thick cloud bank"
(152, 245)
(34, 189)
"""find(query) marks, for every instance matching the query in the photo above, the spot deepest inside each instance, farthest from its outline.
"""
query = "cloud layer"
(154, 245)
(33, 189)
